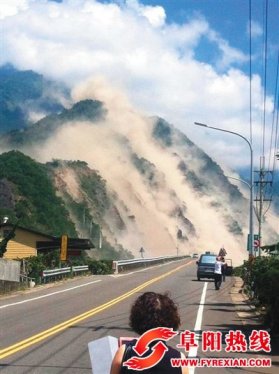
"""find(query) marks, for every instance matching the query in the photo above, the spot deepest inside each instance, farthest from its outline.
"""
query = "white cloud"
(229, 55)
(256, 29)
(12, 7)
(153, 62)
(154, 14)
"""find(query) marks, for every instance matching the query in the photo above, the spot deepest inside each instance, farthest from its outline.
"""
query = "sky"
(184, 60)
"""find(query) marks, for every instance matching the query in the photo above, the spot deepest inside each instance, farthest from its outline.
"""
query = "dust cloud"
(108, 145)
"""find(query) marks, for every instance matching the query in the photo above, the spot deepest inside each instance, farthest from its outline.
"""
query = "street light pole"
(251, 225)
(240, 180)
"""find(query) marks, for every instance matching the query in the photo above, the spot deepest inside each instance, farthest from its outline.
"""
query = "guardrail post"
(115, 267)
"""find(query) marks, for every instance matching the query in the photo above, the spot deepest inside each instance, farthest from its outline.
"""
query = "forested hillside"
(99, 169)
(27, 193)
(37, 195)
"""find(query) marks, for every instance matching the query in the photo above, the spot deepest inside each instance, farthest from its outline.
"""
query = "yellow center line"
(64, 325)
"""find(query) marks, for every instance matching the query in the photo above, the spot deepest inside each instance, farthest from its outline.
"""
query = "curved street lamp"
(240, 180)
(251, 224)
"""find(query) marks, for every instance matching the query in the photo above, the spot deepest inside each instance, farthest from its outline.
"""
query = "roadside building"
(28, 242)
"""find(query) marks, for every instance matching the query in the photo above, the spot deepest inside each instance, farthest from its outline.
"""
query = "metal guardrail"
(62, 271)
(79, 268)
(142, 262)
(49, 273)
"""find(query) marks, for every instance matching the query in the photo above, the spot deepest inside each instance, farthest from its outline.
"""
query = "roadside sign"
(63, 247)
(256, 241)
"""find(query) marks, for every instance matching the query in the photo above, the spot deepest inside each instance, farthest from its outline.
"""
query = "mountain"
(38, 195)
(27, 193)
(45, 128)
(26, 96)
(135, 181)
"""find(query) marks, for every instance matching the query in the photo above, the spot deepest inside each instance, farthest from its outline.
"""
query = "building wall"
(9, 270)
(23, 244)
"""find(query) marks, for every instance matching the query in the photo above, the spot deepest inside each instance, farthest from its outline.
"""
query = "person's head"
(152, 310)
(218, 258)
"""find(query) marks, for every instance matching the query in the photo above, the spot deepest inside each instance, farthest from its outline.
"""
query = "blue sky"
(230, 18)
(184, 60)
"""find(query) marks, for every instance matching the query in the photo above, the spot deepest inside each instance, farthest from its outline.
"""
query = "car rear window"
(207, 259)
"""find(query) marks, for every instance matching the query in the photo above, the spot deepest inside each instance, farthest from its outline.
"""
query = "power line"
(250, 70)
(265, 75)
(264, 183)
(274, 128)
(273, 147)
(276, 137)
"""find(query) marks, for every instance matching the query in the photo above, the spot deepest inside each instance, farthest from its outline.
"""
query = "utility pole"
(264, 180)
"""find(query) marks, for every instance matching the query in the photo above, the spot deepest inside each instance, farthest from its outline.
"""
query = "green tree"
(35, 198)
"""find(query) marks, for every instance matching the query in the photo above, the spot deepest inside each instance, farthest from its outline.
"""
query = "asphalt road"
(46, 331)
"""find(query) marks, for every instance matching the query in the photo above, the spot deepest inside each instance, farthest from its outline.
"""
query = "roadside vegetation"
(35, 265)
(261, 284)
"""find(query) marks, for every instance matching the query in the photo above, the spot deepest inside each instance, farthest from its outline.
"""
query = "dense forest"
(27, 193)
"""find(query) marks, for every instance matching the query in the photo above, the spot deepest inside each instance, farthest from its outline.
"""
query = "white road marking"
(48, 295)
(194, 350)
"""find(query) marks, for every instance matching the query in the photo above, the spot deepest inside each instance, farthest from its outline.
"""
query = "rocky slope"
(140, 181)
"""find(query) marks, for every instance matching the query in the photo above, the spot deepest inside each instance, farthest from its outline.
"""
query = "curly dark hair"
(152, 310)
